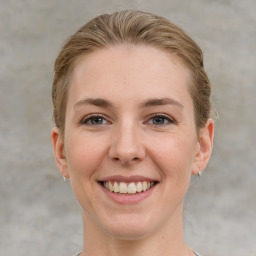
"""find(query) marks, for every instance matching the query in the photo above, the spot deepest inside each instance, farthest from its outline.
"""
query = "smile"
(128, 188)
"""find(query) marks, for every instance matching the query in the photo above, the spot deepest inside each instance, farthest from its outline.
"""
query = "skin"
(127, 139)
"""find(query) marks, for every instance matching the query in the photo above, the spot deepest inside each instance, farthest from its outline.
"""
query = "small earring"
(64, 178)
(200, 173)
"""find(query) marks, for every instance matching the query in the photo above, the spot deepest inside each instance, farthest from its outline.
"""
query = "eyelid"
(162, 115)
(91, 116)
(86, 118)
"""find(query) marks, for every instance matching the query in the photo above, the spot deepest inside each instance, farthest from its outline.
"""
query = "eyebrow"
(147, 103)
(161, 101)
(96, 102)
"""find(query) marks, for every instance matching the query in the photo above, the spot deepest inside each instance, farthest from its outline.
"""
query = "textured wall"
(39, 215)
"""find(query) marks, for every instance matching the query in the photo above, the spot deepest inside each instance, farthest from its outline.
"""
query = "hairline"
(79, 58)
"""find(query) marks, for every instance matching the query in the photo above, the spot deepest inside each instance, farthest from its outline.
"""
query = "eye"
(160, 120)
(94, 120)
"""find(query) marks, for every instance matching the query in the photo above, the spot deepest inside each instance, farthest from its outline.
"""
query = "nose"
(126, 145)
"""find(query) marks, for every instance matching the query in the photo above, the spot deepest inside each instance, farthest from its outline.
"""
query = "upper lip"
(127, 179)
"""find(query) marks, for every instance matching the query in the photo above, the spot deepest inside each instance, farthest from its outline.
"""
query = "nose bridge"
(126, 146)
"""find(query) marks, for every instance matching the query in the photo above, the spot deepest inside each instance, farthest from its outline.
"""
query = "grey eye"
(158, 120)
(94, 120)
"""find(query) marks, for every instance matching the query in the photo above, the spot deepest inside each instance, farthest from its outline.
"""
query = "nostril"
(126, 161)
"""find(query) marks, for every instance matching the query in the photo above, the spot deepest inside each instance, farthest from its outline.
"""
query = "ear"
(59, 151)
(205, 144)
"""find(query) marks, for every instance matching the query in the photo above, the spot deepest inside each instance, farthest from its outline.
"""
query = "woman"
(132, 112)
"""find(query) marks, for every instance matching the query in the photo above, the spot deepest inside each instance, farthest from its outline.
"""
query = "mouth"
(128, 188)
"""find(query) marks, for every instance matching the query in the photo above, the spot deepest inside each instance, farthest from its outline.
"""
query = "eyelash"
(90, 118)
(162, 116)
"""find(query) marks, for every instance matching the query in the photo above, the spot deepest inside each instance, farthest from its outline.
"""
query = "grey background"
(38, 212)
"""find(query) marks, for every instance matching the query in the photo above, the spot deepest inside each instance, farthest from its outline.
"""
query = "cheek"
(84, 155)
(175, 157)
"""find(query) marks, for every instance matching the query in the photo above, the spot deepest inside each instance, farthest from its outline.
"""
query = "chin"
(130, 228)
(129, 235)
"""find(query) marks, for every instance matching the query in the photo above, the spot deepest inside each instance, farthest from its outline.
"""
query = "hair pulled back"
(131, 27)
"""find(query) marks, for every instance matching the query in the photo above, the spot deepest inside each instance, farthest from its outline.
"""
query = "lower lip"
(128, 198)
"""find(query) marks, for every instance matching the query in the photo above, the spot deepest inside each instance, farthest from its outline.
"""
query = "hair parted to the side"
(131, 27)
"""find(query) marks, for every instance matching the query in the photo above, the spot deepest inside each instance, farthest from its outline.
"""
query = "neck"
(169, 240)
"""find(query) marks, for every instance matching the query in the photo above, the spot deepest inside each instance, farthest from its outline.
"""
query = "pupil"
(158, 120)
(97, 120)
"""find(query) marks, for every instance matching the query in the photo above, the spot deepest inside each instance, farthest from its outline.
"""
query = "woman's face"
(130, 128)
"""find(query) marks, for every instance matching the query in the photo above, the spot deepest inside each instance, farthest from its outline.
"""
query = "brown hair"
(131, 27)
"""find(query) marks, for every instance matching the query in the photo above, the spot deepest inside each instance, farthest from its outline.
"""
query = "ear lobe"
(205, 143)
(59, 151)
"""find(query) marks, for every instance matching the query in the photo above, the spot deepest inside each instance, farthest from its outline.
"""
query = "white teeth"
(144, 186)
(116, 188)
(131, 188)
(128, 188)
(122, 188)
(139, 187)
(111, 187)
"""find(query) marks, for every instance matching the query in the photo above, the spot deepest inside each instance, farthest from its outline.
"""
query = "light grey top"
(194, 252)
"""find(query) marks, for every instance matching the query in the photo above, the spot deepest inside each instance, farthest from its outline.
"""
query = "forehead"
(141, 71)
